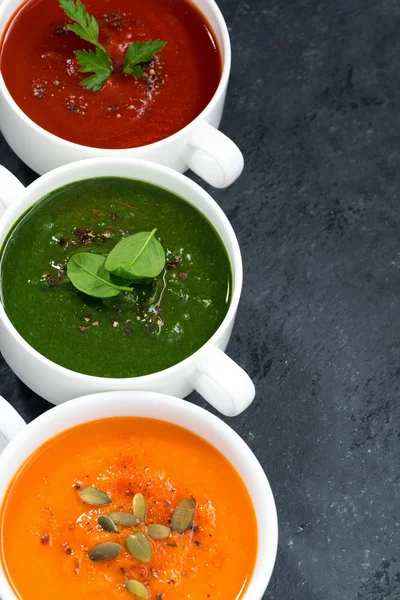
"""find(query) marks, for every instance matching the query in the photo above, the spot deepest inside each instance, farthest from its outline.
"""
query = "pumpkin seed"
(106, 551)
(107, 524)
(137, 589)
(123, 519)
(158, 532)
(93, 496)
(183, 515)
(139, 546)
(139, 507)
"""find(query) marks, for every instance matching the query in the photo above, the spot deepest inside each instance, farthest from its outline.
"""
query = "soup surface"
(48, 531)
(42, 73)
(158, 323)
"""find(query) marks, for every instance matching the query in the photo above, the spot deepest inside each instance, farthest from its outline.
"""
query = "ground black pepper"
(39, 91)
(45, 539)
(61, 29)
(86, 236)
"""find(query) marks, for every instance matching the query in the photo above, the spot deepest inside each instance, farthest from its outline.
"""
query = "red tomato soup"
(42, 74)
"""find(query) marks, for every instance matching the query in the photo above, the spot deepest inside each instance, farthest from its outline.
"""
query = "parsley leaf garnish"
(140, 52)
(97, 62)
(87, 27)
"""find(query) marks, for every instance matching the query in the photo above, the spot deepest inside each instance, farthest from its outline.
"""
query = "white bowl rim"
(226, 57)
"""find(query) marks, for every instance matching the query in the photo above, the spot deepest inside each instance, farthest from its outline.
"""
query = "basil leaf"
(138, 256)
(87, 273)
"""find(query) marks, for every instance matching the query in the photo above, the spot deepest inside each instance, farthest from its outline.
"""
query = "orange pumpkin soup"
(56, 539)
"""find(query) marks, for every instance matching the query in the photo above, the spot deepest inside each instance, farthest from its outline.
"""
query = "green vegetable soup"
(141, 324)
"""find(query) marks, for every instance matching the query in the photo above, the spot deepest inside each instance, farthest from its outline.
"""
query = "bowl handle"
(213, 156)
(10, 423)
(10, 189)
(224, 384)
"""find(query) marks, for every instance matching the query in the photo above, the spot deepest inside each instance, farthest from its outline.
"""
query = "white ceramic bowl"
(215, 376)
(198, 146)
(25, 439)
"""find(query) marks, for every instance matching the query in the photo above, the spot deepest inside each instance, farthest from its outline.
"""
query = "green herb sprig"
(99, 62)
(140, 52)
(138, 256)
(86, 25)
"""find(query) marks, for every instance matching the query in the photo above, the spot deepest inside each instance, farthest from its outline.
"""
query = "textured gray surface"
(314, 103)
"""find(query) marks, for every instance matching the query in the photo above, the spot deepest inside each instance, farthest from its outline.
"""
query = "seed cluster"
(137, 544)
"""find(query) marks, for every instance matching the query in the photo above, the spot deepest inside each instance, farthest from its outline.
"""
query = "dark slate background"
(314, 103)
